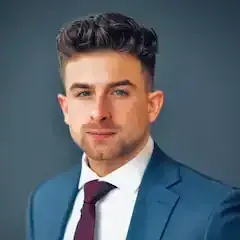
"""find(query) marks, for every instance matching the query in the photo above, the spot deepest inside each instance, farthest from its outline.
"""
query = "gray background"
(198, 69)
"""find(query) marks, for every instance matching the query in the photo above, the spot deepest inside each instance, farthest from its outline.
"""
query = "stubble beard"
(116, 148)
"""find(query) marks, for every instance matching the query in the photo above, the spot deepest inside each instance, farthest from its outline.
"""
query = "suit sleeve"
(225, 221)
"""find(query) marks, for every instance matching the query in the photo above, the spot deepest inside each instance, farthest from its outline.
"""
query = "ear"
(155, 104)
(64, 106)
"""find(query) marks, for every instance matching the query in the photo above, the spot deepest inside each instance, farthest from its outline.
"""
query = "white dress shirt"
(114, 211)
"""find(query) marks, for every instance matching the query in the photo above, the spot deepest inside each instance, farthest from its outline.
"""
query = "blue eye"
(121, 92)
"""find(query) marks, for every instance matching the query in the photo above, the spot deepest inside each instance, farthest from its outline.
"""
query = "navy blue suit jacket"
(174, 203)
(226, 218)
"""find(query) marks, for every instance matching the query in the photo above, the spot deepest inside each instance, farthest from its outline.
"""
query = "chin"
(99, 156)
(101, 151)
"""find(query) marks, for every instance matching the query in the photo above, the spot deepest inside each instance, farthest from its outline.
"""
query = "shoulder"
(192, 185)
(198, 187)
(51, 187)
(203, 186)
(203, 181)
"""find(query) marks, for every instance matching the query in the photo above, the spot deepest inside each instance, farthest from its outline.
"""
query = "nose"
(101, 111)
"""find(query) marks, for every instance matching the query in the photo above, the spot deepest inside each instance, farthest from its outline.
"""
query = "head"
(107, 65)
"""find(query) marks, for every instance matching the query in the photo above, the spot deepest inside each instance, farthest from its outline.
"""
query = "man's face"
(107, 106)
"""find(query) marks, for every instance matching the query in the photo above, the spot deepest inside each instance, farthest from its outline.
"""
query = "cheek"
(77, 113)
(132, 115)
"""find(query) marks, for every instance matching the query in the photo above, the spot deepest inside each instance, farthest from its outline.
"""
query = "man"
(125, 186)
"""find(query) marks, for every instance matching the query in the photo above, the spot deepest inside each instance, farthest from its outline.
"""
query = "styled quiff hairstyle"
(109, 31)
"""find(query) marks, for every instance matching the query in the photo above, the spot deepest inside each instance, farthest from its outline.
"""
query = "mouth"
(101, 135)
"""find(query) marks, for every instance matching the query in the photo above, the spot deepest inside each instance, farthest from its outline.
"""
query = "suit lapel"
(155, 202)
(67, 194)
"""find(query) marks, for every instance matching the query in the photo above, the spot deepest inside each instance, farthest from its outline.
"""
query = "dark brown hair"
(109, 31)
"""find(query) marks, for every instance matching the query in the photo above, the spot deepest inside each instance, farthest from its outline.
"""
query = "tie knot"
(95, 190)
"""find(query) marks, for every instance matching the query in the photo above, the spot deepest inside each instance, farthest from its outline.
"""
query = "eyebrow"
(109, 85)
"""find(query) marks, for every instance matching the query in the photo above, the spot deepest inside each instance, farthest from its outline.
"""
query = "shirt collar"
(128, 177)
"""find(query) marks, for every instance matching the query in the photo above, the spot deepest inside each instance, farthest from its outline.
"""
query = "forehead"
(102, 68)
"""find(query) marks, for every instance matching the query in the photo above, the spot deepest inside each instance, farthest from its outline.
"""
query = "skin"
(108, 107)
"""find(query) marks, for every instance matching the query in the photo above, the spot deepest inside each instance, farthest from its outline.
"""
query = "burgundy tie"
(93, 192)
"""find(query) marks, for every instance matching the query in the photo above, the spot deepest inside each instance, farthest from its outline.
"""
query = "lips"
(100, 132)
(101, 135)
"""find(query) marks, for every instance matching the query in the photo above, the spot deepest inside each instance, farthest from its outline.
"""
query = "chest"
(113, 215)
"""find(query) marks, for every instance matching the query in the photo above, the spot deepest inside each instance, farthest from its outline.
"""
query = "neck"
(105, 167)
